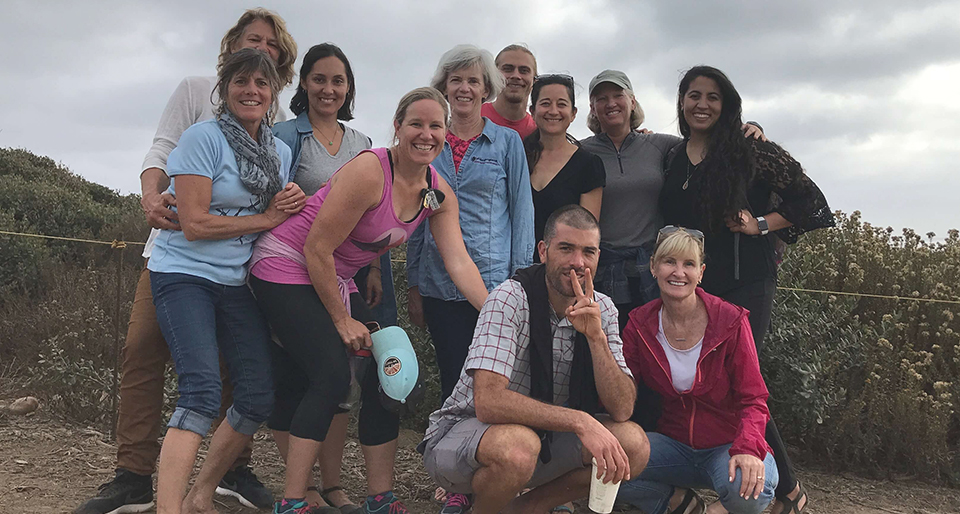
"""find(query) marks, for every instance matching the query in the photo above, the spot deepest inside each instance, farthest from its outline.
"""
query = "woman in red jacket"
(696, 350)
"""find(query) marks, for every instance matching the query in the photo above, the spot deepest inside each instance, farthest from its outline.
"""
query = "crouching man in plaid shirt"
(544, 388)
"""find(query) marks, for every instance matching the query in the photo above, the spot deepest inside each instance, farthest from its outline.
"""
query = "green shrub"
(857, 382)
(861, 382)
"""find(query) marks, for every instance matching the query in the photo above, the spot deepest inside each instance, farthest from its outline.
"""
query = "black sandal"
(793, 506)
(691, 504)
(347, 508)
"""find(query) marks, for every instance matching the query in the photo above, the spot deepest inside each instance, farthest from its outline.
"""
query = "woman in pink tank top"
(302, 273)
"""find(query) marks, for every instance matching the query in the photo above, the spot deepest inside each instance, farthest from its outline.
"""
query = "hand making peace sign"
(584, 314)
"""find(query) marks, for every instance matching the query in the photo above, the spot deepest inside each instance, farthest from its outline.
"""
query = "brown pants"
(145, 356)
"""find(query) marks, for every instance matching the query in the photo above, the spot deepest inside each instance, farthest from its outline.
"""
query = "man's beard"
(521, 98)
(556, 279)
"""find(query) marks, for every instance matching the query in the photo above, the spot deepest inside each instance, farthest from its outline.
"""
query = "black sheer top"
(780, 185)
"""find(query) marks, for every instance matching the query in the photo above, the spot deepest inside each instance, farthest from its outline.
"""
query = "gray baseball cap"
(615, 77)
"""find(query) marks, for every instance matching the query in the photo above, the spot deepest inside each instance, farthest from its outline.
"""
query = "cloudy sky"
(859, 92)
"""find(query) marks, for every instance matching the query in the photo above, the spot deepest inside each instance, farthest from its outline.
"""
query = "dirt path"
(47, 466)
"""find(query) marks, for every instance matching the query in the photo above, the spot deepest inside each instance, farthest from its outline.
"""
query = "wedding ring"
(759, 478)
(589, 301)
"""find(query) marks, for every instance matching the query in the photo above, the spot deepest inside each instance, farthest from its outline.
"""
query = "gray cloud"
(845, 86)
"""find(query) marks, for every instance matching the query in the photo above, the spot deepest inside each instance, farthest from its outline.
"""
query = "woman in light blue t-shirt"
(229, 176)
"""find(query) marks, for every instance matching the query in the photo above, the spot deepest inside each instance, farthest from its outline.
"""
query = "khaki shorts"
(450, 457)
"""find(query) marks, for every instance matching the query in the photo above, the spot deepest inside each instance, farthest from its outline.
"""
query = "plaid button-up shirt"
(501, 344)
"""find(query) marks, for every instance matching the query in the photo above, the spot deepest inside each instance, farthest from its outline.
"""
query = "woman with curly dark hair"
(744, 195)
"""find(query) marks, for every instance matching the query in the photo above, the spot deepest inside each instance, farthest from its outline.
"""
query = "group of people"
(572, 322)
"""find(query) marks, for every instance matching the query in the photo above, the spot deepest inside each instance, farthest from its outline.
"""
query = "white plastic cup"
(602, 496)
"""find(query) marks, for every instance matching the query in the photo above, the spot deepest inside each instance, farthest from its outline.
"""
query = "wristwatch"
(763, 226)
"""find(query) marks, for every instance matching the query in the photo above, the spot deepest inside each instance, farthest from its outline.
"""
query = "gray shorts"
(450, 457)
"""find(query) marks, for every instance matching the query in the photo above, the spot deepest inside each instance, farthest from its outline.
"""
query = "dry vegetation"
(860, 383)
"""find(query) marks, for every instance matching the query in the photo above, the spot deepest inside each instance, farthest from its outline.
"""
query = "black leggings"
(757, 297)
(312, 372)
(451, 327)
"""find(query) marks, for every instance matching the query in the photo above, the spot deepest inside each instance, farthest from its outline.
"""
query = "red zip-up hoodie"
(728, 400)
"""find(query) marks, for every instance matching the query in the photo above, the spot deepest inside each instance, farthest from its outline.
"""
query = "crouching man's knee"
(511, 451)
(472, 454)
(634, 442)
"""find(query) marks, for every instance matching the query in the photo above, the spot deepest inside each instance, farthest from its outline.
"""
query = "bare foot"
(313, 498)
(192, 504)
(716, 508)
(338, 498)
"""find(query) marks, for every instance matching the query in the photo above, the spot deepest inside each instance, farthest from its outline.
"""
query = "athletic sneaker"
(243, 485)
(127, 493)
(393, 506)
(286, 506)
(456, 503)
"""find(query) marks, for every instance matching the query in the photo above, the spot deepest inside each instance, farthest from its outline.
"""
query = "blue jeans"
(201, 319)
(675, 464)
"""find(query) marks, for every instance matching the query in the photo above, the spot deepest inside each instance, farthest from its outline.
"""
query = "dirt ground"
(48, 466)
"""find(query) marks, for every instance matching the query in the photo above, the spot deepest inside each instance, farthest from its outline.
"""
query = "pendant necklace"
(335, 132)
(690, 168)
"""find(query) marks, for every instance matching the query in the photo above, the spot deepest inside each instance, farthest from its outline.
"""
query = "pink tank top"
(377, 231)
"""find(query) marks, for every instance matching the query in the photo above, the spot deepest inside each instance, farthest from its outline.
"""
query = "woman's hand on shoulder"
(753, 131)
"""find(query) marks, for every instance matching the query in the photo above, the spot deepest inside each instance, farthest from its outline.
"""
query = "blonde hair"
(285, 42)
(421, 93)
(518, 47)
(636, 115)
(679, 244)
(464, 56)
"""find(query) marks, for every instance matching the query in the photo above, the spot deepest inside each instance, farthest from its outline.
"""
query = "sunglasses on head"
(558, 77)
(670, 229)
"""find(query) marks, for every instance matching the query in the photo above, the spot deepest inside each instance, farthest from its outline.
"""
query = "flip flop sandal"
(793, 506)
(691, 504)
(562, 508)
(347, 508)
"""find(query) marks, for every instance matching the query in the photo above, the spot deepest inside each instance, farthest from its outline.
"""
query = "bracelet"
(375, 268)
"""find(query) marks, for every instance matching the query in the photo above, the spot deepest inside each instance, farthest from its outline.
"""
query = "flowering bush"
(861, 381)
(857, 381)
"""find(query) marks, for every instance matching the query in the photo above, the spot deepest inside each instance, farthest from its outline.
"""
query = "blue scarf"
(258, 161)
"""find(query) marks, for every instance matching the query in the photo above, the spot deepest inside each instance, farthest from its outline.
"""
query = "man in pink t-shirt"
(519, 67)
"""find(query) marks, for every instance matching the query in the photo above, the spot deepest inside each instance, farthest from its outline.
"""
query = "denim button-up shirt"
(496, 214)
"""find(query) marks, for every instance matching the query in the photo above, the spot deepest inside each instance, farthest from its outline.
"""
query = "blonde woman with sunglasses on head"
(696, 351)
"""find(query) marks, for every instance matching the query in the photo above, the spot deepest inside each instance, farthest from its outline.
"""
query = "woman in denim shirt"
(486, 166)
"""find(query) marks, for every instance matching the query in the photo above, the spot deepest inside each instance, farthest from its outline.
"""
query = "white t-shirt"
(683, 363)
